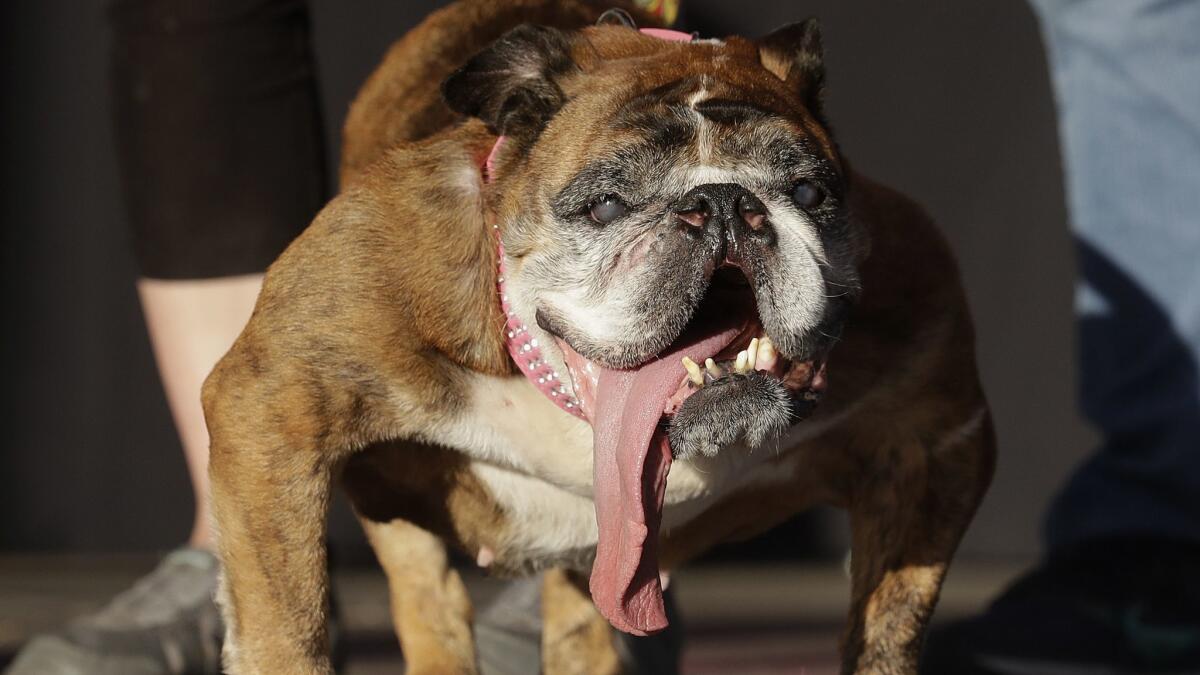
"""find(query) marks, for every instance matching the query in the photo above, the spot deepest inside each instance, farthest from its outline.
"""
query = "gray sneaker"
(166, 623)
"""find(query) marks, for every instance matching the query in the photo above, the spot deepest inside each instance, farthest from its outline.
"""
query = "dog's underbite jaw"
(724, 340)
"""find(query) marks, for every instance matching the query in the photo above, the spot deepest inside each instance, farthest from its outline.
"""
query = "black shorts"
(218, 131)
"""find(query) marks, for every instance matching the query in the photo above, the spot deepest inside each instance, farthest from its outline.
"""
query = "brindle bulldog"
(567, 314)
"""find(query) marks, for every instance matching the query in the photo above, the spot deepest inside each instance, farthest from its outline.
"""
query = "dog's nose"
(720, 205)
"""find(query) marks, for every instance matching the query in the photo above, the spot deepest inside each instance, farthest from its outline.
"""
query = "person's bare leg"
(192, 323)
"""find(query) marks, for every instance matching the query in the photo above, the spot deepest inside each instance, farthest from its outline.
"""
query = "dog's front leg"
(270, 495)
(907, 519)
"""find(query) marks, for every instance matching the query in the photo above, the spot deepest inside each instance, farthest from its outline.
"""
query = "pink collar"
(524, 349)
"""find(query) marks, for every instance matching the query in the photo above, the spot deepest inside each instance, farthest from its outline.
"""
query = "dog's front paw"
(752, 407)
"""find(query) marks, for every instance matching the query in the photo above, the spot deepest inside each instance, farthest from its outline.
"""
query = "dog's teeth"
(752, 354)
(766, 354)
(693, 371)
(712, 368)
(739, 364)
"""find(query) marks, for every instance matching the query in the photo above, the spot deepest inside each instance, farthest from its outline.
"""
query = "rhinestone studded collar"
(526, 350)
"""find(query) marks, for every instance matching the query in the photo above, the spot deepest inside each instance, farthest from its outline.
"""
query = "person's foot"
(1111, 607)
(167, 622)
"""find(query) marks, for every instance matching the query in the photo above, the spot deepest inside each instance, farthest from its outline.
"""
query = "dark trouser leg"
(1125, 75)
(218, 132)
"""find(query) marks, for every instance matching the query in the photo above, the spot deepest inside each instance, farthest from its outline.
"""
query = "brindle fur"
(370, 325)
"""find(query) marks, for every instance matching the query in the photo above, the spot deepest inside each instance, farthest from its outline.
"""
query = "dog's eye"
(807, 194)
(607, 209)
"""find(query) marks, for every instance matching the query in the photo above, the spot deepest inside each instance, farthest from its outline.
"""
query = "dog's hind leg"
(431, 611)
(907, 520)
(576, 639)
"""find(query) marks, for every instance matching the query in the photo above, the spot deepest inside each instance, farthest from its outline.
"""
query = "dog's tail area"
(401, 101)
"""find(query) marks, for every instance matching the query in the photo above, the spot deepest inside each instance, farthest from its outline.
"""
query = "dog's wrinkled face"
(689, 192)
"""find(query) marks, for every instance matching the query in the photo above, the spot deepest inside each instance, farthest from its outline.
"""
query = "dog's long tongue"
(632, 458)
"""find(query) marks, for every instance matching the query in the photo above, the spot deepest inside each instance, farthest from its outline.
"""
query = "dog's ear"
(794, 54)
(512, 85)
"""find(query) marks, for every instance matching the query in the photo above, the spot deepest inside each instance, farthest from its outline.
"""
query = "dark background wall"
(947, 100)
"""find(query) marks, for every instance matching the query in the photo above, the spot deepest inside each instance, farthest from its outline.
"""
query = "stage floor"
(752, 620)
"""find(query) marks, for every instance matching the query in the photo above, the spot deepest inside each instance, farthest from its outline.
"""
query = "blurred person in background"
(222, 164)
(1118, 590)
